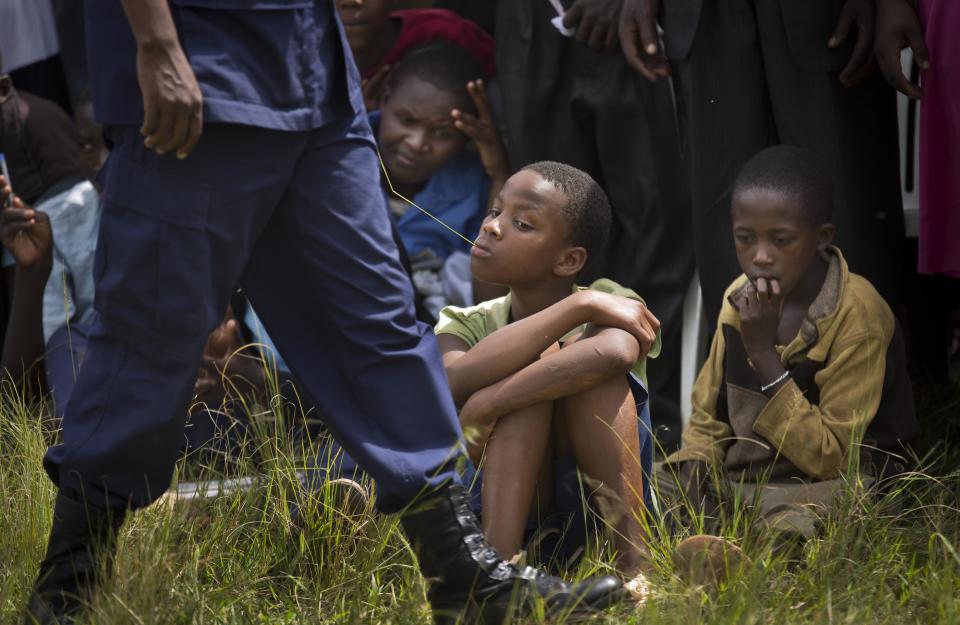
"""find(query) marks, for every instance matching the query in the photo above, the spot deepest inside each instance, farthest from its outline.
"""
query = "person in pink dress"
(928, 33)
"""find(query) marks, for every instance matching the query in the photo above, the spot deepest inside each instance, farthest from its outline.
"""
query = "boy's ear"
(825, 236)
(570, 262)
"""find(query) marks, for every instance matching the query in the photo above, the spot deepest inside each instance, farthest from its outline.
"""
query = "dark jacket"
(807, 24)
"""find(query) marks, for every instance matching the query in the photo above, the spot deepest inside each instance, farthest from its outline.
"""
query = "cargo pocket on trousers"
(153, 260)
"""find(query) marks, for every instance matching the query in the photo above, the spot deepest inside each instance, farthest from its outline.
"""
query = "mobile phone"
(6, 176)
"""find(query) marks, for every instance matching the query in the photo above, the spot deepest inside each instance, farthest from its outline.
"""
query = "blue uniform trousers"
(297, 219)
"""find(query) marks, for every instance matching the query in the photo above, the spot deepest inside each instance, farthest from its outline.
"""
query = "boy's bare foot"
(705, 560)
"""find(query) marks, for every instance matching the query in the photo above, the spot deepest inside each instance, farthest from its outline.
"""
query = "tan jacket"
(847, 376)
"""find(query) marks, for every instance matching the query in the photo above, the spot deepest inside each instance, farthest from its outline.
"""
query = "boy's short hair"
(587, 209)
(794, 171)
(444, 65)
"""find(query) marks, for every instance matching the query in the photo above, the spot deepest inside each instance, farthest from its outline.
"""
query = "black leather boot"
(81, 547)
(470, 582)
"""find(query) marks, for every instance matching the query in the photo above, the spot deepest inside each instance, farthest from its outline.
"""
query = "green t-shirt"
(476, 322)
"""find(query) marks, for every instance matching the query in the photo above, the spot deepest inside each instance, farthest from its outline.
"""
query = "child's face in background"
(774, 238)
(523, 234)
(93, 152)
(364, 21)
(417, 136)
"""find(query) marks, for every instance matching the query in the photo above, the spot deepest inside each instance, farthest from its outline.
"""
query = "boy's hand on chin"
(630, 315)
(759, 308)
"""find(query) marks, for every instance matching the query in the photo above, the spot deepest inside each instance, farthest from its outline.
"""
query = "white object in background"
(911, 196)
(690, 347)
(558, 20)
(28, 33)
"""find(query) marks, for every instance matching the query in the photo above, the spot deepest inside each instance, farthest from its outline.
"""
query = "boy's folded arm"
(509, 349)
(816, 437)
(598, 355)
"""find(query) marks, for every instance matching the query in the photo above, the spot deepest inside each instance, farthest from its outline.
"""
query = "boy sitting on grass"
(432, 104)
(807, 357)
(551, 368)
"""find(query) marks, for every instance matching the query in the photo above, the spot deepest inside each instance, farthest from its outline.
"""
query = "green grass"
(238, 558)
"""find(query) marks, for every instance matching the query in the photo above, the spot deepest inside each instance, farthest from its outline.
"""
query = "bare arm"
(26, 233)
(517, 345)
(598, 355)
(23, 346)
(172, 102)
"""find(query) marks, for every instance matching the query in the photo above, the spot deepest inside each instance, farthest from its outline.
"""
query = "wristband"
(763, 389)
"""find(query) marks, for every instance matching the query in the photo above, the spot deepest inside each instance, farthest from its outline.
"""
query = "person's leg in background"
(854, 129)
(727, 119)
(650, 249)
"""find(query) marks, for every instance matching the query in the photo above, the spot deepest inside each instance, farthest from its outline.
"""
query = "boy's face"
(525, 237)
(417, 136)
(364, 20)
(774, 238)
(93, 152)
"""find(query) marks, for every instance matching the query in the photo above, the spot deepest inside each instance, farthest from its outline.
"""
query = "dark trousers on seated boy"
(784, 506)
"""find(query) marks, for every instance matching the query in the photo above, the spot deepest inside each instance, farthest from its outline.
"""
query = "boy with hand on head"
(431, 106)
(381, 37)
(551, 368)
(806, 358)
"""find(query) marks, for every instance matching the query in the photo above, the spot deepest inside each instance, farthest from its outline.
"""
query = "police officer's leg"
(174, 237)
(325, 280)
(727, 120)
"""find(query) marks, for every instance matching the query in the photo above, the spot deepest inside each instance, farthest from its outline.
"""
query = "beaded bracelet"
(786, 374)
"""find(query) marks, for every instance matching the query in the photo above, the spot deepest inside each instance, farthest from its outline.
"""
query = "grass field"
(237, 558)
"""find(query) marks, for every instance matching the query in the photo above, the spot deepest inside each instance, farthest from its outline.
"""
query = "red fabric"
(420, 26)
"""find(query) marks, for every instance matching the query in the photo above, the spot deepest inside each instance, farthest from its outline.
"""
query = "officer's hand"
(25, 231)
(862, 14)
(172, 102)
(639, 40)
(898, 27)
(483, 130)
(595, 22)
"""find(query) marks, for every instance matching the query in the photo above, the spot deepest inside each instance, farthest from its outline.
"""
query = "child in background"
(431, 106)
(42, 148)
(552, 370)
(380, 38)
(806, 359)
